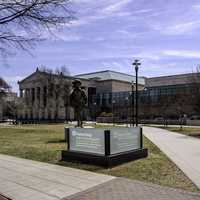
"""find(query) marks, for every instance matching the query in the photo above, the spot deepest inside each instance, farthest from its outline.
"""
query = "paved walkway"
(22, 179)
(161, 125)
(181, 149)
(125, 189)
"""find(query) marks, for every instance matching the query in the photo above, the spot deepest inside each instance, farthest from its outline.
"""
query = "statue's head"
(76, 84)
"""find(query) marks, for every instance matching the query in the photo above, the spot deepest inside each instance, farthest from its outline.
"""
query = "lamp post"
(132, 104)
(113, 102)
(95, 114)
(136, 64)
(127, 104)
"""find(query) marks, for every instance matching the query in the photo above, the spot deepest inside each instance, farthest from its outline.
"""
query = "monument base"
(105, 161)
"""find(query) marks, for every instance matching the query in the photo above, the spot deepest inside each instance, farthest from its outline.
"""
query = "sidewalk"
(161, 125)
(183, 150)
(22, 179)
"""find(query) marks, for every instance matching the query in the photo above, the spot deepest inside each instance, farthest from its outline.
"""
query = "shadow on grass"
(79, 165)
(194, 135)
(55, 141)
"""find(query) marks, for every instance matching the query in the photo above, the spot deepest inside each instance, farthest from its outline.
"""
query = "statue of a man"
(78, 101)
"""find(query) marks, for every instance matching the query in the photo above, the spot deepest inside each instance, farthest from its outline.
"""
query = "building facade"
(45, 96)
(171, 96)
(166, 97)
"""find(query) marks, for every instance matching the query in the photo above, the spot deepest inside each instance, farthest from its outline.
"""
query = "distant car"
(195, 117)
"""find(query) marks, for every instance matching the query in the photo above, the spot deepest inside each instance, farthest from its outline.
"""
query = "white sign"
(87, 140)
(91, 140)
(124, 139)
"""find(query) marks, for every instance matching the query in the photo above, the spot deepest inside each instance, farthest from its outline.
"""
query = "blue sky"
(110, 34)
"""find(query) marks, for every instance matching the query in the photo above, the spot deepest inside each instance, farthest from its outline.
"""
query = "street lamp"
(127, 114)
(95, 114)
(113, 102)
(132, 104)
(136, 64)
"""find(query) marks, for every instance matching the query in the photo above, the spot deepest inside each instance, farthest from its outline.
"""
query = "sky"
(110, 34)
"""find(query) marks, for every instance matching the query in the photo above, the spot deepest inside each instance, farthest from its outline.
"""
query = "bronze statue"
(78, 101)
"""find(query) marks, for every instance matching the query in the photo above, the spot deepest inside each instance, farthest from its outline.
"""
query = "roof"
(45, 74)
(180, 79)
(111, 75)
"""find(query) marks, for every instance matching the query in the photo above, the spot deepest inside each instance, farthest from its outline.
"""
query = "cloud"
(148, 56)
(61, 34)
(100, 10)
(112, 55)
(67, 37)
(123, 34)
(122, 66)
(142, 11)
(13, 78)
(179, 29)
(196, 7)
(182, 53)
(116, 7)
(177, 19)
(12, 81)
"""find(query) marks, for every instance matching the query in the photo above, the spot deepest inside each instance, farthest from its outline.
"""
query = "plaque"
(126, 139)
(87, 140)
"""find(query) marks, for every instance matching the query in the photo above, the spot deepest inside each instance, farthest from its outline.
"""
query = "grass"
(189, 131)
(45, 142)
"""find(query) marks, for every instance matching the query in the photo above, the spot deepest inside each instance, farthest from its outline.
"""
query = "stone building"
(45, 96)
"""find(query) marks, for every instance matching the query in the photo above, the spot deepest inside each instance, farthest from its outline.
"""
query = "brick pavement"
(3, 198)
(125, 189)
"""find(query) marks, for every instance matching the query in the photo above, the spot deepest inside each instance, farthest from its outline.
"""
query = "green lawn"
(190, 131)
(45, 142)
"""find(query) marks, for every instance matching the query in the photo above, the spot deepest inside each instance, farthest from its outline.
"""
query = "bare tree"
(4, 88)
(22, 21)
(63, 88)
(58, 87)
(62, 70)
